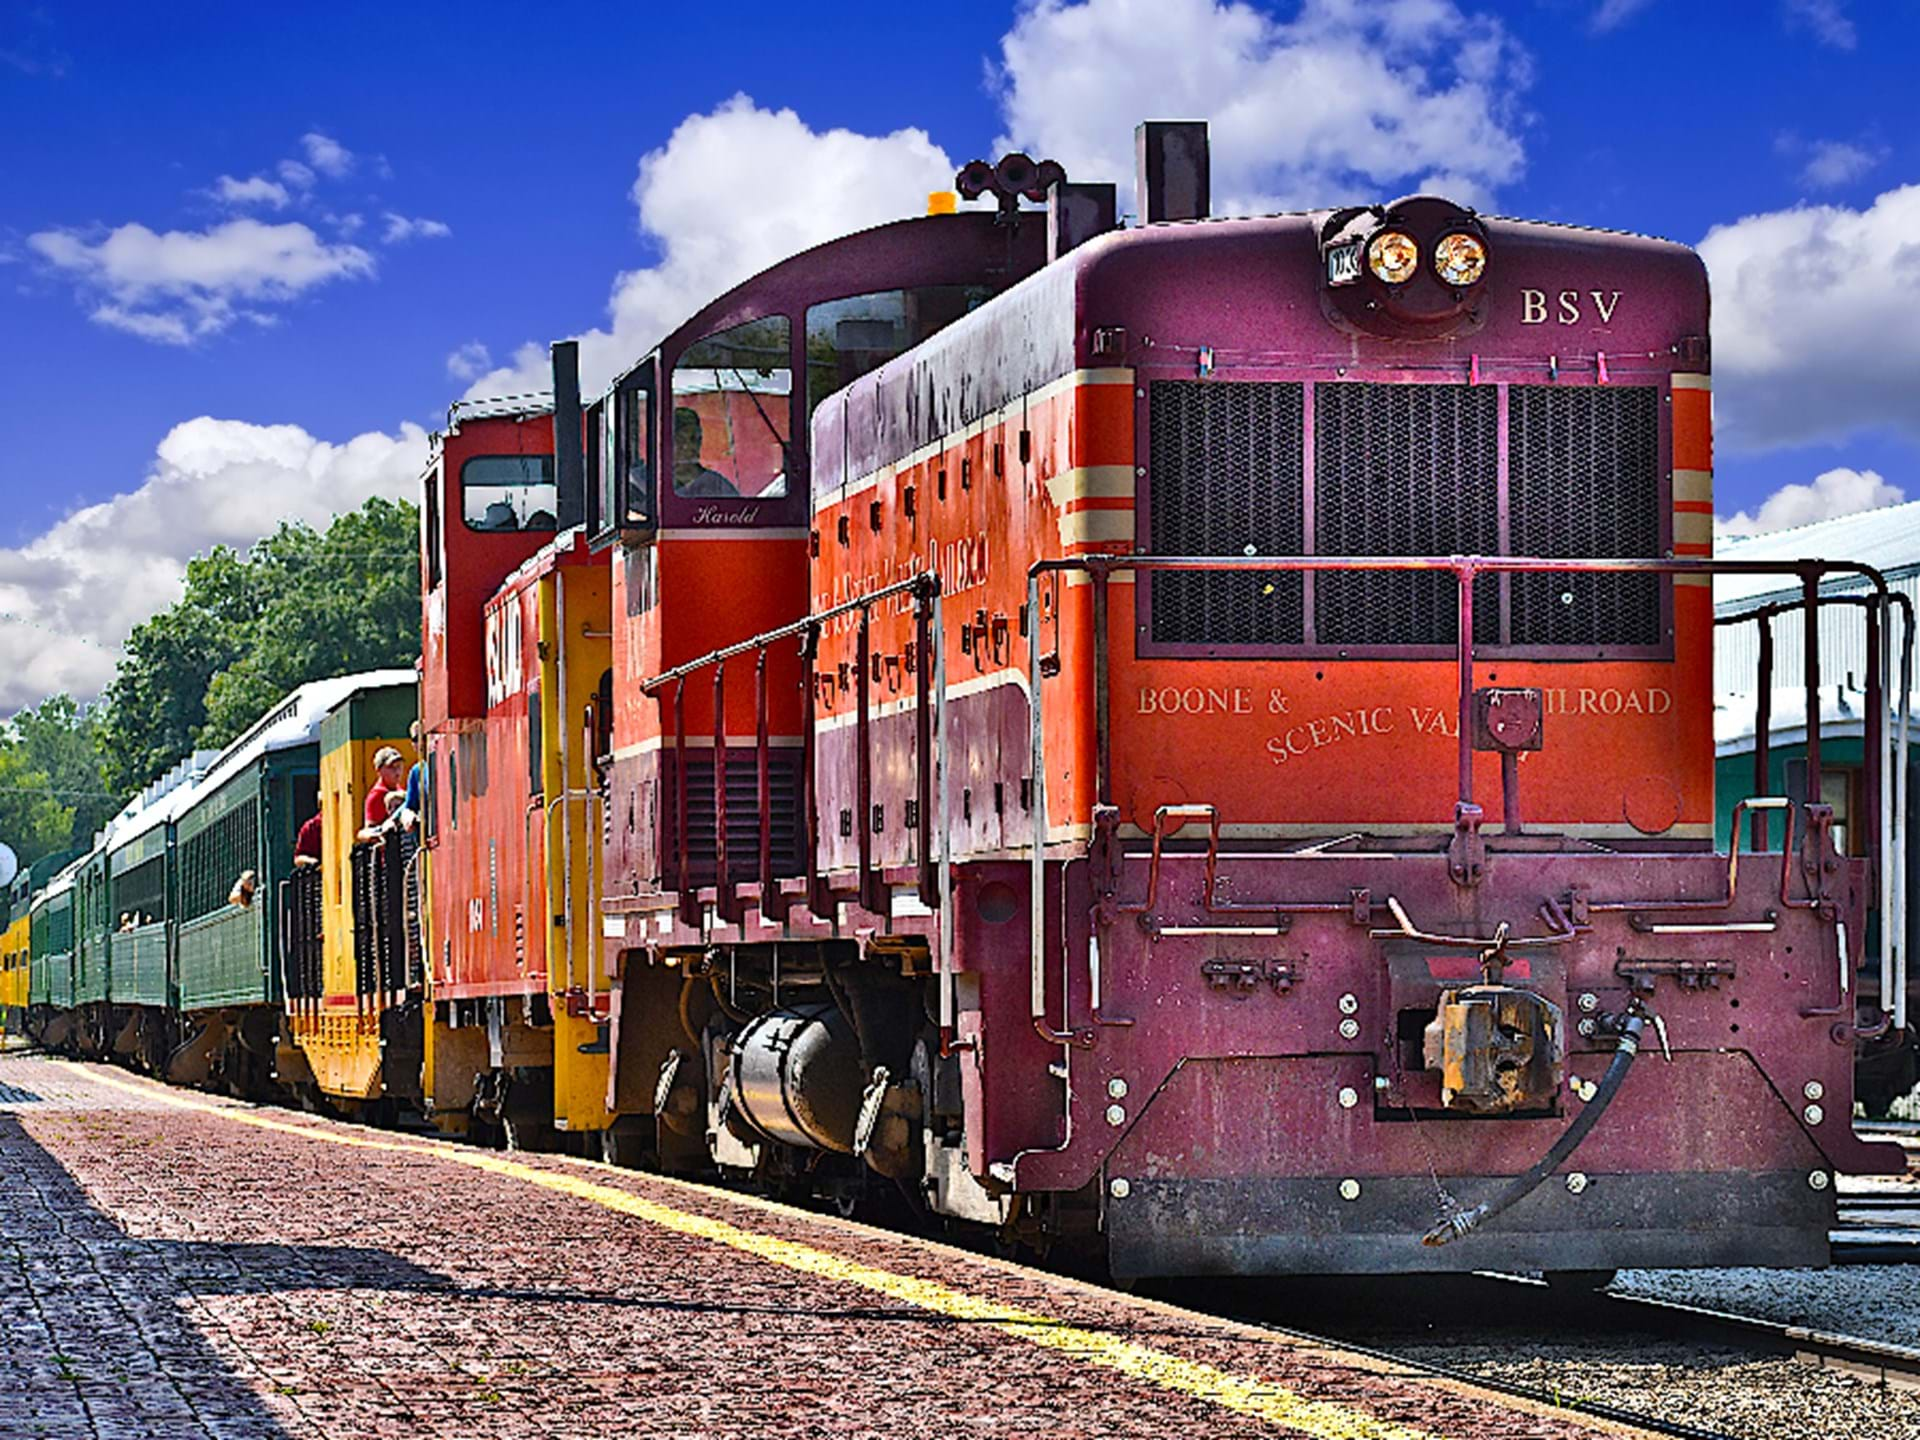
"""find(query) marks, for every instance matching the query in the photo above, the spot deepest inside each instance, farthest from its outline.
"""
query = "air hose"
(1521, 1186)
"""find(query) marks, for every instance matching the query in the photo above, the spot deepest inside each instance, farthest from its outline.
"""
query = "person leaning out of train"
(392, 768)
(306, 844)
(416, 797)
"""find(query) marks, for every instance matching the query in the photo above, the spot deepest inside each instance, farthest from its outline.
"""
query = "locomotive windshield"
(732, 412)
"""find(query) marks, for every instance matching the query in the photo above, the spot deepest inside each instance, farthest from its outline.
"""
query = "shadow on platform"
(99, 1332)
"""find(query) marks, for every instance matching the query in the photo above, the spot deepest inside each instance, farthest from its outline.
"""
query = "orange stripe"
(1693, 550)
(1693, 507)
(1693, 429)
(1099, 502)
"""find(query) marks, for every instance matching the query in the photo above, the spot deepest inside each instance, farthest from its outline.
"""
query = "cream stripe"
(1695, 582)
(1091, 482)
(705, 742)
(1692, 382)
(1242, 1394)
(1690, 528)
(1096, 527)
(1693, 485)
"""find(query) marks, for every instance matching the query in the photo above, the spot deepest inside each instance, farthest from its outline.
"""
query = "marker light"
(1393, 257)
(1459, 260)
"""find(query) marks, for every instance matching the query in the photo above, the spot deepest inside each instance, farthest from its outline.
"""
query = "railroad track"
(1874, 1360)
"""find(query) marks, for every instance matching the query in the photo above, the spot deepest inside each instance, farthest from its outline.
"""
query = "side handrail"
(923, 588)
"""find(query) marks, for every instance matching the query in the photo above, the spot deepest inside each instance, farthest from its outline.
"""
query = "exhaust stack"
(569, 456)
(1175, 177)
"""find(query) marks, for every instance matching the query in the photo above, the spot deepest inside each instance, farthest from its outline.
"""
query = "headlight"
(1459, 260)
(1393, 257)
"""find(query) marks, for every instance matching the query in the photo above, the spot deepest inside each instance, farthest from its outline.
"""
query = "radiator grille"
(1583, 480)
(1227, 477)
(1404, 470)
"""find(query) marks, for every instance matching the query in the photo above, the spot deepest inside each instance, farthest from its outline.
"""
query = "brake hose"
(1521, 1186)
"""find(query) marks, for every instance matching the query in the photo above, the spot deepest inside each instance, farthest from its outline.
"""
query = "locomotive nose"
(1415, 269)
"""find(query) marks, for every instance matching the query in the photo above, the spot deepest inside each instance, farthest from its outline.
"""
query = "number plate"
(1343, 264)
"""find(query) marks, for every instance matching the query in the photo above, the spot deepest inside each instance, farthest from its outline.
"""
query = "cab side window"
(509, 492)
(848, 337)
(733, 413)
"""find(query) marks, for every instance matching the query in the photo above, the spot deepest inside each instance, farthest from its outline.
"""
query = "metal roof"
(296, 720)
(1887, 539)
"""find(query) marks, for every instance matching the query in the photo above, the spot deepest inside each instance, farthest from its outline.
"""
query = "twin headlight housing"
(1459, 259)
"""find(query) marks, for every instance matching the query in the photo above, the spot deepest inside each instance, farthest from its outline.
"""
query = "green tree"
(300, 605)
(32, 819)
(58, 739)
(157, 702)
(333, 604)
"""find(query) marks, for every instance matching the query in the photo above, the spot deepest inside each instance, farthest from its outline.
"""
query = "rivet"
(1576, 1182)
(1116, 1114)
(1380, 1082)
(1116, 1089)
(1813, 1114)
(1588, 1029)
(1589, 1001)
(1817, 1180)
(1349, 1003)
(1349, 1097)
(1349, 1189)
(1813, 1090)
(1118, 1187)
(1349, 1029)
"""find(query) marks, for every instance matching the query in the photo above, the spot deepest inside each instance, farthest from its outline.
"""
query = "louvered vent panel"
(743, 814)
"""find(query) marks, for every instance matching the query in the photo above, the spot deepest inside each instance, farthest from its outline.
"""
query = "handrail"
(1465, 569)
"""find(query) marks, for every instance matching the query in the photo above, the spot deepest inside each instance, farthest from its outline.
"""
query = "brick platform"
(174, 1265)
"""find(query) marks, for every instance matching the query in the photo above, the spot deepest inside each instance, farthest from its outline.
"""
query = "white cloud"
(69, 597)
(1347, 102)
(1614, 13)
(254, 190)
(400, 228)
(1805, 345)
(1827, 19)
(730, 193)
(1836, 162)
(326, 154)
(299, 176)
(1832, 494)
(180, 286)
(470, 361)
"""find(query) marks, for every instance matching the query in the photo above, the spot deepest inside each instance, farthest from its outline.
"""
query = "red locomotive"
(1053, 686)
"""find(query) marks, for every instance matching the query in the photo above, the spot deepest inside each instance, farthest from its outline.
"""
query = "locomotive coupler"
(1498, 1049)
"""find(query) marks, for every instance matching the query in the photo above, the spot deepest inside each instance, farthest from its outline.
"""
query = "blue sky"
(407, 181)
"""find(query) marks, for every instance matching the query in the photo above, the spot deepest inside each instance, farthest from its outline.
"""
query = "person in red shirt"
(393, 781)
(306, 845)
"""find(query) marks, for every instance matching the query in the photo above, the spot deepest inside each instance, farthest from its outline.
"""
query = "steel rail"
(1552, 1400)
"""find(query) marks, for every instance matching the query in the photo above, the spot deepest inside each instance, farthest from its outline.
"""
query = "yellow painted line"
(1243, 1394)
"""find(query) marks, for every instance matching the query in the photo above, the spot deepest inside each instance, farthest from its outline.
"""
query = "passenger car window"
(847, 338)
(732, 412)
(508, 492)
